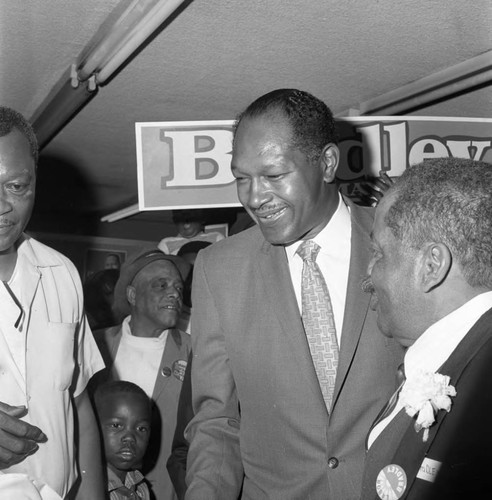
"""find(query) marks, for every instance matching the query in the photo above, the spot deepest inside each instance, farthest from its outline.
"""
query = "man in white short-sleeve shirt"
(47, 352)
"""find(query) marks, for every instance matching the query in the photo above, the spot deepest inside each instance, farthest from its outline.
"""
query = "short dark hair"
(193, 247)
(311, 120)
(188, 215)
(107, 389)
(447, 200)
(10, 119)
(115, 255)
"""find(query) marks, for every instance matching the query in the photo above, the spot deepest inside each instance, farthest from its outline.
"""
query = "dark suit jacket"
(461, 439)
(166, 394)
(260, 414)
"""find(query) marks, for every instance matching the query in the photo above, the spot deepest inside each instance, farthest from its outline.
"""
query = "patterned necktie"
(318, 320)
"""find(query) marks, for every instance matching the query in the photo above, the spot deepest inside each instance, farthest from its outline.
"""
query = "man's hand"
(18, 439)
(374, 188)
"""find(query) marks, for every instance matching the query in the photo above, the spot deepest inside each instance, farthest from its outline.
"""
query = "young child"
(124, 414)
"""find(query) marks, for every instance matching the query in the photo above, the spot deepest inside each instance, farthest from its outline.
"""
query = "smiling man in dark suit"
(283, 396)
(431, 278)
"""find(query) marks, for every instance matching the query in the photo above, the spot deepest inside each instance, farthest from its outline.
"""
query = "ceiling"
(207, 62)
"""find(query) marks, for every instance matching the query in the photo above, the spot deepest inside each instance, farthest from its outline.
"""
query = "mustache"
(367, 285)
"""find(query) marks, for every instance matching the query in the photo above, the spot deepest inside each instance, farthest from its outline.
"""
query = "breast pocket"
(60, 354)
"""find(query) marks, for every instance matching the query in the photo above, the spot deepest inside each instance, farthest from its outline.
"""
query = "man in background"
(431, 278)
(188, 252)
(112, 261)
(190, 225)
(48, 432)
(283, 398)
(148, 350)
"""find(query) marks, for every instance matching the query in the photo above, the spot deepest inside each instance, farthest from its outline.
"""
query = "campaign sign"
(187, 164)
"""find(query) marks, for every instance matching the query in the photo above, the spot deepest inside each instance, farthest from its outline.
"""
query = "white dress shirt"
(333, 260)
(435, 346)
(138, 358)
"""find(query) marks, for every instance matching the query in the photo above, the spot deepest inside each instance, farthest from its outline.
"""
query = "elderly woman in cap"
(148, 350)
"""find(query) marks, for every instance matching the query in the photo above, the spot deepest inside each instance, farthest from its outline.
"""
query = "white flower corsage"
(426, 393)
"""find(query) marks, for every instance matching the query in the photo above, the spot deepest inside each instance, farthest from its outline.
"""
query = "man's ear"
(436, 263)
(131, 293)
(329, 160)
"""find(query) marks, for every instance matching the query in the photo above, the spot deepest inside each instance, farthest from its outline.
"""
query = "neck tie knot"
(400, 375)
(308, 250)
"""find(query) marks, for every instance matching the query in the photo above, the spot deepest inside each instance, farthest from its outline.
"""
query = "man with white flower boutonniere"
(431, 281)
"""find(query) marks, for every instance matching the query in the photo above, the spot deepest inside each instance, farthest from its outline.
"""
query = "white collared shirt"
(16, 337)
(48, 287)
(333, 260)
(432, 349)
(138, 358)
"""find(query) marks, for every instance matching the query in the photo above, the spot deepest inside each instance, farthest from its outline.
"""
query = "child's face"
(188, 229)
(125, 426)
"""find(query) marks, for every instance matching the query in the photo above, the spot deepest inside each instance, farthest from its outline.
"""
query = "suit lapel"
(357, 301)
(412, 449)
(279, 291)
(275, 274)
(110, 348)
(172, 353)
(383, 448)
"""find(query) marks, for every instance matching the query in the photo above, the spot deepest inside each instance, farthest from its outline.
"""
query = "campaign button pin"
(391, 482)
(429, 469)
(166, 371)
(179, 367)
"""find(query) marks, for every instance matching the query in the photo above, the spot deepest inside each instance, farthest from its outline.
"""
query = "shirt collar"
(439, 341)
(338, 228)
(132, 479)
(126, 332)
(40, 256)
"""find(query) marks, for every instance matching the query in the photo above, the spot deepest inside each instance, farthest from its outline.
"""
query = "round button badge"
(391, 482)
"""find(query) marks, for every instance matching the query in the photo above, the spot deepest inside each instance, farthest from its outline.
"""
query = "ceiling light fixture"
(121, 214)
(460, 78)
(61, 105)
(140, 19)
(98, 63)
(425, 91)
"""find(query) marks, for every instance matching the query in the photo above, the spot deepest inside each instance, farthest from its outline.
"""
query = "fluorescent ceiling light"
(98, 63)
(60, 107)
(135, 25)
(446, 83)
(121, 214)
